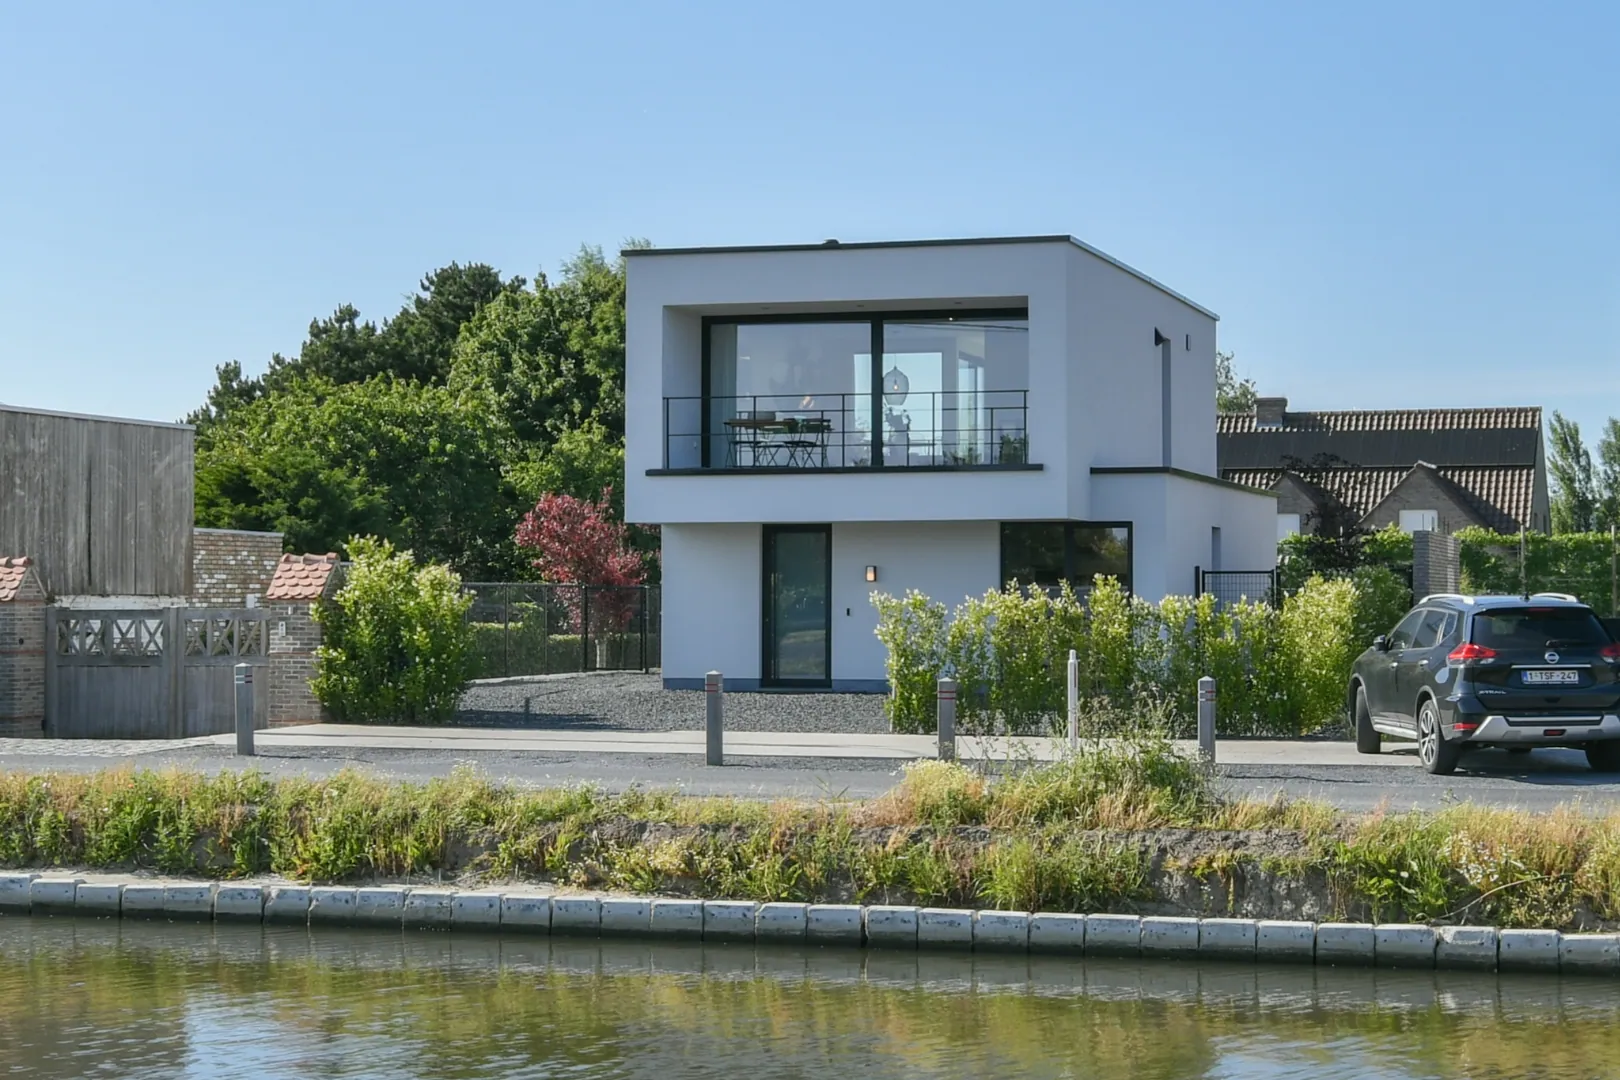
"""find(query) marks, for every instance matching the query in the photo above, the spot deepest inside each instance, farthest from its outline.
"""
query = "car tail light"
(1469, 651)
(1610, 651)
(1465, 725)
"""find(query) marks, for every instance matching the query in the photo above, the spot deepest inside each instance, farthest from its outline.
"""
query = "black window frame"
(1070, 551)
(874, 319)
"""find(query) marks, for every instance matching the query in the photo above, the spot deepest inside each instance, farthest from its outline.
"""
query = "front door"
(797, 607)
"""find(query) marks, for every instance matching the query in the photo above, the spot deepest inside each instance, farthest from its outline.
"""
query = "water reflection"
(100, 998)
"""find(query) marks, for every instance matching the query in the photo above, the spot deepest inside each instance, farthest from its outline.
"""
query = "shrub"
(397, 645)
(913, 630)
(1382, 599)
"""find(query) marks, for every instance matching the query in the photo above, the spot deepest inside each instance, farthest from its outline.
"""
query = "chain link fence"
(528, 628)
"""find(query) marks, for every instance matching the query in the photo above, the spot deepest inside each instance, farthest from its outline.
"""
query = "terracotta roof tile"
(16, 575)
(1502, 494)
(302, 577)
(1389, 420)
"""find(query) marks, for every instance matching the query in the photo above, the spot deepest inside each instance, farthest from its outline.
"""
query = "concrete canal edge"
(880, 926)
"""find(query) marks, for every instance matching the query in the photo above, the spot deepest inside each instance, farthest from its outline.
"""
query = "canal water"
(81, 998)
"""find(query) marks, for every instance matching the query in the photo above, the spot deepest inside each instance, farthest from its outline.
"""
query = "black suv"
(1510, 671)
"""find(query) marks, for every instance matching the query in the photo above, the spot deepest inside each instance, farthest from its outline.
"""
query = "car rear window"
(1537, 628)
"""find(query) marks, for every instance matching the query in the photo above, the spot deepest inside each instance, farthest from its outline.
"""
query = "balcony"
(798, 433)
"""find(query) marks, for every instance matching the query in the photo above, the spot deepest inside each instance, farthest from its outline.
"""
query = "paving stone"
(576, 915)
(677, 918)
(1403, 945)
(1001, 931)
(429, 909)
(1594, 954)
(239, 903)
(382, 906)
(1057, 932)
(98, 898)
(1285, 941)
(1169, 936)
(1345, 944)
(729, 919)
(53, 894)
(1466, 948)
(287, 904)
(781, 922)
(331, 905)
(1227, 939)
(831, 923)
(1527, 950)
(626, 915)
(476, 910)
(193, 902)
(1113, 935)
(891, 926)
(15, 891)
(945, 928)
(526, 912)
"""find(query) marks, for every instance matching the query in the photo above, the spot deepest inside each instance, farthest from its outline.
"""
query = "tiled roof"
(302, 577)
(1389, 420)
(14, 574)
(1502, 494)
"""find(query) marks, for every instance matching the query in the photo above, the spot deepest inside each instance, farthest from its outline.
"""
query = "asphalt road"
(1536, 782)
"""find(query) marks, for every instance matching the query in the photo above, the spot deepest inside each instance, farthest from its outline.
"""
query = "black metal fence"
(1234, 586)
(526, 628)
(847, 431)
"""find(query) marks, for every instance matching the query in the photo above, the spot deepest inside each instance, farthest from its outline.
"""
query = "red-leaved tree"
(578, 542)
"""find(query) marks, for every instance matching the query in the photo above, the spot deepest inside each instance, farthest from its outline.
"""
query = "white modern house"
(810, 423)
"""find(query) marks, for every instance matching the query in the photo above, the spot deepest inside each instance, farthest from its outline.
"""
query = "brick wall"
(229, 565)
(22, 663)
(294, 636)
(1423, 489)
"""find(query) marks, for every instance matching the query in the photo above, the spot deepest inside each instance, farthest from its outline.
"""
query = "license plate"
(1555, 677)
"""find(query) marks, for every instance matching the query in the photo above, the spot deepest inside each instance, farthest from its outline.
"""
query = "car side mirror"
(1381, 643)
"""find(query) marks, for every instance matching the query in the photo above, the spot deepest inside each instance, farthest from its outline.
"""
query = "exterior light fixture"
(871, 573)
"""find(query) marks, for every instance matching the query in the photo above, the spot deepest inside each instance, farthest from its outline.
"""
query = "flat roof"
(858, 245)
(100, 419)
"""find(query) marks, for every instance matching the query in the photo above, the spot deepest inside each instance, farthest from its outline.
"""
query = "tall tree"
(1608, 476)
(1574, 492)
(1232, 395)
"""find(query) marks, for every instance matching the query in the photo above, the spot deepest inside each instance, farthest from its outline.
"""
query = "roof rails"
(1555, 596)
(1459, 597)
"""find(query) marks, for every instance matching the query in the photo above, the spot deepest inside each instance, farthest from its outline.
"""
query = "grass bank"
(1133, 829)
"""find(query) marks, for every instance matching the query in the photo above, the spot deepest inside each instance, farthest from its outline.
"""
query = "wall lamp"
(871, 573)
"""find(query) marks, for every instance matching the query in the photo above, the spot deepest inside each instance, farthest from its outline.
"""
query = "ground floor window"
(1048, 553)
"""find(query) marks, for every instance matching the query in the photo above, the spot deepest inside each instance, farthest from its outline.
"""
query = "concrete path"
(775, 744)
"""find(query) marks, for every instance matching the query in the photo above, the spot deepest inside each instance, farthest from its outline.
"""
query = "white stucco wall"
(711, 595)
(1172, 517)
(946, 560)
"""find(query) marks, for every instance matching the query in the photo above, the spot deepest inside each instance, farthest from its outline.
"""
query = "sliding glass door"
(797, 605)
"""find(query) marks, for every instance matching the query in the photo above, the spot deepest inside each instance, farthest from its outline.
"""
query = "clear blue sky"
(1388, 206)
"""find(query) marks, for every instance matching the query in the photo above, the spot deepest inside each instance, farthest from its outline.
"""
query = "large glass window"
(1045, 554)
(883, 390)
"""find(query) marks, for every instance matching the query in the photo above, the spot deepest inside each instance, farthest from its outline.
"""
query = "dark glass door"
(797, 608)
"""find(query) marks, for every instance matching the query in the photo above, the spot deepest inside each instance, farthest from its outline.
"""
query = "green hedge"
(1578, 563)
(1279, 671)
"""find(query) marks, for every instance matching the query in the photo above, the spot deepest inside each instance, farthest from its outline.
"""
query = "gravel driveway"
(630, 701)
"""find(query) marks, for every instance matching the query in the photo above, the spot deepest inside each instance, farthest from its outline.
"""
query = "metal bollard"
(244, 710)
(1074, 701)
(1206, 718)
(714, 690)
(946, 693)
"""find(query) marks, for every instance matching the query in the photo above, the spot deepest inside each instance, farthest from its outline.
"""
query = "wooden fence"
(164, 673)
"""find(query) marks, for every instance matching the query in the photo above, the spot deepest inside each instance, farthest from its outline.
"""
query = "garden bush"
(397, 646)
(1278, 671)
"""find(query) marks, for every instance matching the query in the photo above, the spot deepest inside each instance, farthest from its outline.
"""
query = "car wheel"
(1368, 741)
(1603, 756)
(1437, 755)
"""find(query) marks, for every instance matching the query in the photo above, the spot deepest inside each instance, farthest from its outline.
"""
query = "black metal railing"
(939, 428)
(1235, 586)
(528, 628)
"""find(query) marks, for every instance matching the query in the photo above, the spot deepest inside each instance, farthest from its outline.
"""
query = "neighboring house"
(1435, 469)
(811, 423)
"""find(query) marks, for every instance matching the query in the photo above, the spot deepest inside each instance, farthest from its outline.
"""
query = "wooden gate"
(157, 673)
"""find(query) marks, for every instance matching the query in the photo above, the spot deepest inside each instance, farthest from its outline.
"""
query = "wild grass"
(1076, 835)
